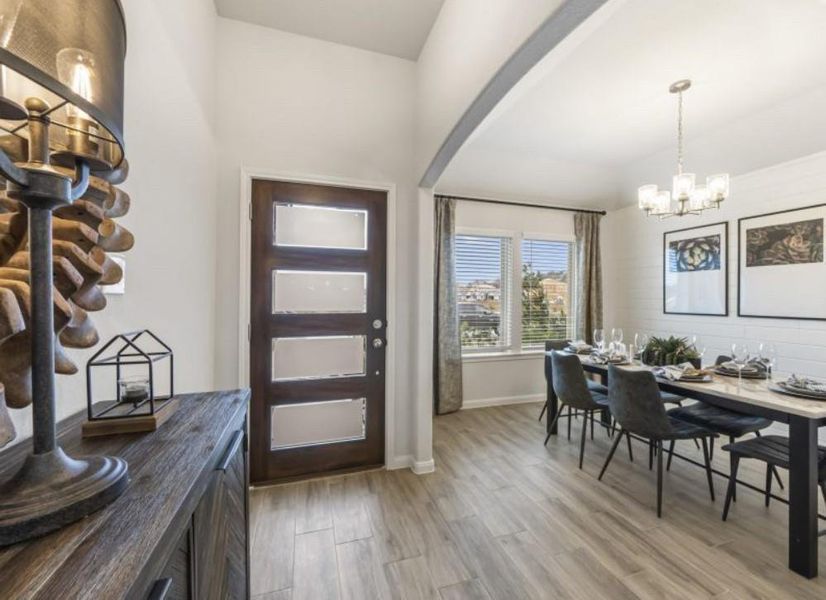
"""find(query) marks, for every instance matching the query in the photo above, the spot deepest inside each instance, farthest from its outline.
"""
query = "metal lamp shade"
(71, 54)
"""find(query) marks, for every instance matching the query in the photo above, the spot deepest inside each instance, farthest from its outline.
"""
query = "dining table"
(803, 416)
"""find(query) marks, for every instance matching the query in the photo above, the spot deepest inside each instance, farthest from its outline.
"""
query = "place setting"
(613, 353)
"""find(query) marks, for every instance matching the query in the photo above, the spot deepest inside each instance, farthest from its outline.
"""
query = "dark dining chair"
(721, 421)
(772, 450)
(636, 404)
(572, 391)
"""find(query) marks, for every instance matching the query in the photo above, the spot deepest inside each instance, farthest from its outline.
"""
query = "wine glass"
(641, 343)
(768, 355)
(616, 335)
(699, 349)
(599, 339)
(740, 356)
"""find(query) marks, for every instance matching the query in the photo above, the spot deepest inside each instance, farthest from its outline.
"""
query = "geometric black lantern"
(61, 98)
(137, 406)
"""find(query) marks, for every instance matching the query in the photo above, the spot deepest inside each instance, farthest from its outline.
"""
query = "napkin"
(754, 365)
(602, 358)
(805, 383)
(580, 346)
(676, 372)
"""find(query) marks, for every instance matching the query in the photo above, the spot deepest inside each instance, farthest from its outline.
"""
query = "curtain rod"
(526, 204)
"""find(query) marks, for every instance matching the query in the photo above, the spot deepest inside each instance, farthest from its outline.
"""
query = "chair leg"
(570, 412)
(630, 452)
(610, 454)
(592, 425)
(670, 454)
(708, 468)
(551, 426)
(696, 444)
(710, 449)
(659, 478)
(544, 408)
(774, 469)
(650, 454)
(582, 439)
(732, 484)
(768, 484)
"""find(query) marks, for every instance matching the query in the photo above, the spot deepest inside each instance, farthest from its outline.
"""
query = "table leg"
(605, 416)
(803, 496)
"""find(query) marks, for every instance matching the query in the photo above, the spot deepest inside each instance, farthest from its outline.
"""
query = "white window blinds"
(546, 292)
(483, 276)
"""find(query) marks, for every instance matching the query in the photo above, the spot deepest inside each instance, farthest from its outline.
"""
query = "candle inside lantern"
(134, 389)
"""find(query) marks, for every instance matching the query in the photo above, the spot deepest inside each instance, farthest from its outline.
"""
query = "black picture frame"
(723, 266)
(740, 222)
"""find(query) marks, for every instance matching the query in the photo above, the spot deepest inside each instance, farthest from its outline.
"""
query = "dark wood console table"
(178, 531)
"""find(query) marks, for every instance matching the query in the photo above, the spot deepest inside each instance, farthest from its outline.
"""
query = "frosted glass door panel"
(317, 423)
(318, 357)
(310, 226)
(307, 292)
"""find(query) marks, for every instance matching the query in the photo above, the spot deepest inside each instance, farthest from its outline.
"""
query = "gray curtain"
(447, 349)
(588, 313)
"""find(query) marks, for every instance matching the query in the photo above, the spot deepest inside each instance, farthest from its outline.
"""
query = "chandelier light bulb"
(718, 186)
(646, 195)
(662, 203)
(699, 199)
(683, 185)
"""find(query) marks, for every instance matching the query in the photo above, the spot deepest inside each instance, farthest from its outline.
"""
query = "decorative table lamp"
(61, 104)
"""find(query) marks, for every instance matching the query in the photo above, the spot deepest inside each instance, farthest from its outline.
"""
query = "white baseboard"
(502, 401)
(420, 467)
(406, 461)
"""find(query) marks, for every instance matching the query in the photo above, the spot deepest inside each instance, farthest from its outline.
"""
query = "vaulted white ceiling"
(395, 27)
(595, 113)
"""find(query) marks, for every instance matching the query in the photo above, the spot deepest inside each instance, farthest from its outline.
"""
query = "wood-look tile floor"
(505, 518)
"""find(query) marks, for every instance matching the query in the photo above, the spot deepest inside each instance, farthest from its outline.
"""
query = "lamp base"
(52, 490)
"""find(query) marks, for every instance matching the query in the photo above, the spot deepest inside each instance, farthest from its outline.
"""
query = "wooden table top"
(753, 391)
(102, 555)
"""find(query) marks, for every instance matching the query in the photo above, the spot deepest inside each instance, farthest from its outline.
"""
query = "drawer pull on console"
(160, 589)
(231, 450)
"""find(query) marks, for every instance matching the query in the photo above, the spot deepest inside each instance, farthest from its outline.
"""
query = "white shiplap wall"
(632, 257)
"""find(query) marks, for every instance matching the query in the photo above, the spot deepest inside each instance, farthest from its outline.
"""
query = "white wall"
(470, 40)
(169, 115)
(295, 105)
(633, 263)
(517, 377)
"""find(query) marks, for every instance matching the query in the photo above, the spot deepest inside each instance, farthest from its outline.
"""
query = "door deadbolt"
(377, 343)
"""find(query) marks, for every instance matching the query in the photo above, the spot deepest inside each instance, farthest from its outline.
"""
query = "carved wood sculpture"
(84, 232)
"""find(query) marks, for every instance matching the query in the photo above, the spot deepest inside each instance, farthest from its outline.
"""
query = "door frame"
(244, 289)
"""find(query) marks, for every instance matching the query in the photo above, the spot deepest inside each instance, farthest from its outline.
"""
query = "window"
(483, 276)
(546, 292)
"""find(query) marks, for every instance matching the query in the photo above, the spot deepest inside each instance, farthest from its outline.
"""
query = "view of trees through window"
(484, 271)
(546, 297)
(483, 267)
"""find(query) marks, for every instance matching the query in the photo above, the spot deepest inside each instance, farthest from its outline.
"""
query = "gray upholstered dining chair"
(572, 391)
(636, 404)
(721, 421)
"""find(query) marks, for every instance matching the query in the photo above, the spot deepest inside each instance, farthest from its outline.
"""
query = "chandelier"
(685, 197)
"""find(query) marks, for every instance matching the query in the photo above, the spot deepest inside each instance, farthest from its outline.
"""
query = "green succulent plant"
(669, 351)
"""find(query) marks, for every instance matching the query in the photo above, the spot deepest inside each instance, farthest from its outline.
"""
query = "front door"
(317, 336)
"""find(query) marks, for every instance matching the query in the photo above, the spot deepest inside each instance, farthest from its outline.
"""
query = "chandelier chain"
(680, 133)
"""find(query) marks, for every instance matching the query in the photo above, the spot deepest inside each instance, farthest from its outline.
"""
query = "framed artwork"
(780, 267)
(695, 271)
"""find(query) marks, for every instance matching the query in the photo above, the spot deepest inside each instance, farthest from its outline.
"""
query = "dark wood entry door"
(317, 339)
